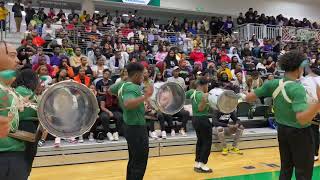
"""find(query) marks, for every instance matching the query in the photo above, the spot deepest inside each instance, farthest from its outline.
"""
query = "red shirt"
(50, 69)
(225, 58)
(197, 56)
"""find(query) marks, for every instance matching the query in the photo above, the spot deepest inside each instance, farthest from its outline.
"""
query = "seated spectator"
(197, 56)
(224, 57)
(48, 31)
(62, 75)
(197, 42)
(161, 54)
(103, 85)
(256, 51)
(237, 69)
(170, 62)
(123, 76)
(256, 80)
(149, 111)
(99, 68)
(108, 51)
(135, 52)
(143, 60)
(130, 45)
(82, 78)
(223, 128)
(64, 65)
(119, 45)
(85, 66)
(35, 58)
(117, 62)
(234, 62)
(55, 60)
(97, 54)
(248, 64)
(261, 66)
(147, 81)
(175, 78)
(240, 81)
(28, 45)
(271, 65)
(225, 69)
(246, 50)
(75, 60)
(233, 52)
(42, 62)
(110, 110)
(44, 76)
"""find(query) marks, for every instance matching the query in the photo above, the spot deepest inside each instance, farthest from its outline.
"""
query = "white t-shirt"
(178, 80)
(310, 85)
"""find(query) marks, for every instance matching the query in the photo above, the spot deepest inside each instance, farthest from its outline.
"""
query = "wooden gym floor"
(178, 167)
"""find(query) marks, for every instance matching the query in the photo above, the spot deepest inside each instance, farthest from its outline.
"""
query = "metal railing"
(261, 31)
(79, 36)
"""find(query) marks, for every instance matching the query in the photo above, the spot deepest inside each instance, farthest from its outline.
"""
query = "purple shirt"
(35, 58)
(55, 60)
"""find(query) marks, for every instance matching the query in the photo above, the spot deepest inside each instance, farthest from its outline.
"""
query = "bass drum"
(67, 109)
(168, 98)
(225, 101)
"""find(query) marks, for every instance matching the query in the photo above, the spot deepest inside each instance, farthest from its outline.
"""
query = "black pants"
(138, 148)
(315, 129)
(104, 118)
(203, 128)
(296, 151)
(3, 25)
(13, 166)
(182, 115)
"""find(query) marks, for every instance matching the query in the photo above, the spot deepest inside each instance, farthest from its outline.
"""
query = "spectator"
(228, 25)
(43, 62)
(55, 59)
(61, 75)
(161, 54)
(117, 62)
(271, 65)
(44, 75)
(246, 50)
(123, 76)
(17, 12)
(64, 65)
(35, 58)
(75, 60)
(3, 16)
(226, 70)
(103, 84)
(97, 54)
(143, 60)
(224, 57)
(175, 78)
(261, 66)
(99, 68)
(48, 31)
(240, 19)
(197, 56)
(84, 65)
(170, 62)
(256, 80)
(82, 78)
(29, 13)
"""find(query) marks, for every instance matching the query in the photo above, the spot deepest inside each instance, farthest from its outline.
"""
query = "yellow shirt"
(3, 13)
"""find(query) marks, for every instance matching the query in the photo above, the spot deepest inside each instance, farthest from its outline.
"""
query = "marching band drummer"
(25, 85)
(310, 84)
(12, 155)
(132, 101)
(293, 115)
(201, 124)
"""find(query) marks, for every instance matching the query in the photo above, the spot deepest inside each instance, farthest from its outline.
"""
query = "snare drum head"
(68, 109)
(170, 98)
(227, 102)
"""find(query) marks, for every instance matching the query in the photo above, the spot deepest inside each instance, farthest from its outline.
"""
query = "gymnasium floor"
(255, 164)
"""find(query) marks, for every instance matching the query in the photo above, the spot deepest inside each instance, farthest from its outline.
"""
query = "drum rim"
(225, 91)
(68, 83)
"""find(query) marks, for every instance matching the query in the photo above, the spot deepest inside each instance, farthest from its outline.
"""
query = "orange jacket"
(69, 71)
(86, 80)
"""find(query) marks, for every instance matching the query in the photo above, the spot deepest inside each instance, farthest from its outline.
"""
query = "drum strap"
(121, 89)
(281, 88)
(193, 96)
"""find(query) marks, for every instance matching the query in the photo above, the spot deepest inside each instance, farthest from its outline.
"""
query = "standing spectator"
(29, 13)
(17, 10)
(51, 13)
(228, 25)
(3, 16)
(240, 19)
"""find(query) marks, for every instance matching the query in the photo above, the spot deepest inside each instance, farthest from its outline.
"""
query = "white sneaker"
(57, 142)
(203, 169)
(110, 137)
(153, 135)
(116, 136)
(183, 133)
(91, 139)
(316, 158)
(197, 165)
(173, 133)
(80, 139)
(164, 135)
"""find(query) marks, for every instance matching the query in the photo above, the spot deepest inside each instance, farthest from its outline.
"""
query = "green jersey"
(126, 91)
(28, 113)
(285, 112)
(8, 143)
(196, 98)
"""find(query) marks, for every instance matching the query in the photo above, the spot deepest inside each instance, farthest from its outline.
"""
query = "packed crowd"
(252, 16)
(50, 52)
